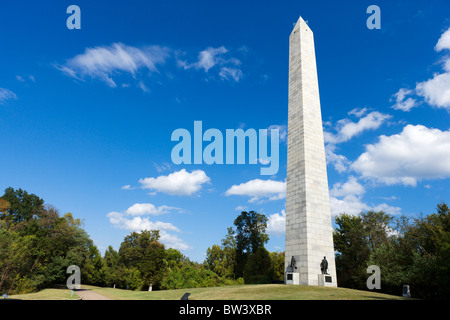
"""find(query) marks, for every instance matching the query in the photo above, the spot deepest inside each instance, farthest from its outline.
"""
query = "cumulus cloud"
(415, 154)
(121, 221)
(435, 91)
(276, 225)
(340, 162)
(346, 130)
(132, 220)
(5, 95)
(139, 209)
(351, 187)
(347, 198)
(443, 42)
(259, 189)
(104, 62)
(181, 183)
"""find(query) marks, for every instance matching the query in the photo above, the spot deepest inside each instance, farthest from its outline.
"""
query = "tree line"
(412, 251)
(37, 245)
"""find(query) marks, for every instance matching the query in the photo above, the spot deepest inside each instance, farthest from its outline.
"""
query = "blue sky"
(86, 116)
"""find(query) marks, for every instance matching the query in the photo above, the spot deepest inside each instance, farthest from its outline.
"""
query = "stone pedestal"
(293, 278)
(325, 280)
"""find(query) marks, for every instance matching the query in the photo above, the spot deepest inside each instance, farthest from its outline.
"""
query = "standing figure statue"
(324, 265)
(293, 263)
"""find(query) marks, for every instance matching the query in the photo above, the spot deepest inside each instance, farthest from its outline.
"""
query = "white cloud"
(358, 112)
(436, 91)
(352, 186)
(350, 204)
(180, 183)
(227, 73)
(137, 224)
(22, 79)
(340, 162)
(173, 241)
(6, 94)
(121, 221)
(210, 57)
(259, 189)
(401, 103)
(444, 41)
(417, 153)
(105, 61)
(347, 129)
(215, 57)
(277, 224)
(139, 209)
(347, 198)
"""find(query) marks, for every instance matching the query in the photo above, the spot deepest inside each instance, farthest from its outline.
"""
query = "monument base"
(293, 278)
(325, 280)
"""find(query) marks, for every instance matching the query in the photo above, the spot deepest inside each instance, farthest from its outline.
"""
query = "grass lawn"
(47, 294)
(247, 292)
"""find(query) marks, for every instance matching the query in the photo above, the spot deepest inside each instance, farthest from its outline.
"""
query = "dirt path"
(86, 294)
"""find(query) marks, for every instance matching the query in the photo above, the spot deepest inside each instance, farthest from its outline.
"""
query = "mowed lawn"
(248, 292)
(47, 294)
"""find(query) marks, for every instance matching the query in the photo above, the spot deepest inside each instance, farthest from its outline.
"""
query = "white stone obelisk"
(309, 236)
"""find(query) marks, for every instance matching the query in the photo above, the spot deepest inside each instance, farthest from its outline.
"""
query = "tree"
(22, 205)
(277, 262)
(419, 255)
(355, 237)
(250, 235)
(258, 268)
(37, 244)
(144, 252)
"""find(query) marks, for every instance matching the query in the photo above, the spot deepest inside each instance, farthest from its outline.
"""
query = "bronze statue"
(324, 265)
(293, 262)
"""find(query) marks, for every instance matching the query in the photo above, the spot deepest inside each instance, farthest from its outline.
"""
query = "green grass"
(248, 292)
(47, 294)
(244, 292)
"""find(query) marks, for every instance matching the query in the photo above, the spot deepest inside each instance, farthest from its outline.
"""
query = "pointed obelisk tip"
(301, 22)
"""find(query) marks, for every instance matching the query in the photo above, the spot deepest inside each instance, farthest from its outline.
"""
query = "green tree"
(22, 205)
(37, 244)
(418, 255)
(277, 262)
(355, 237)
(144, 252)
(250, 235)
(258, 268)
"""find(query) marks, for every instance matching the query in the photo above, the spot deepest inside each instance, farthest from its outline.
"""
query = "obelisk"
(309, 234)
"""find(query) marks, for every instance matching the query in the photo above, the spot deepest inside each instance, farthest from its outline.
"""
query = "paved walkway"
(86, 294)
